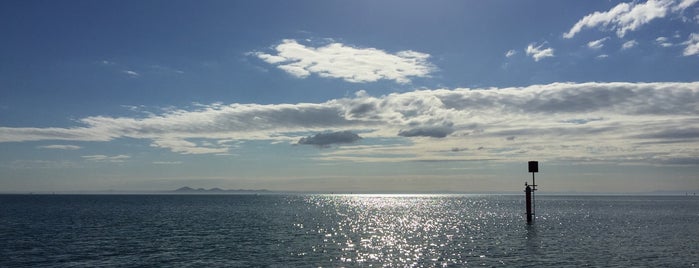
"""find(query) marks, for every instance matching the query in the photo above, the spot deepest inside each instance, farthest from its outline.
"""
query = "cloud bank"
(621, 122)
(356, 65)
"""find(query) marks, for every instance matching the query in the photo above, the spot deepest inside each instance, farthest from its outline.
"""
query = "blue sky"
(349, 95)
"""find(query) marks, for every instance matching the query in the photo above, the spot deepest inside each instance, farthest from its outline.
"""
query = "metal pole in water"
(528, 194)
(529, 190)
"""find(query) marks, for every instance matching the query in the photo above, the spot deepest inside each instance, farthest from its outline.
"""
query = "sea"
(347, 230)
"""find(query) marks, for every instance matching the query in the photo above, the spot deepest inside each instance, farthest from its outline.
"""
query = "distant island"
(216, 190)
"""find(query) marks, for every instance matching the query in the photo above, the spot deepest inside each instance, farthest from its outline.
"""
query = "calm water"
(347, 230)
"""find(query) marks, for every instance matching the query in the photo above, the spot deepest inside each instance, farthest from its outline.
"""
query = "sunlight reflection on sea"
(324, 230)
(415, 230)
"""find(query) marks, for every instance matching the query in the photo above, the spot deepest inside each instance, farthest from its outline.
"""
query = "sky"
(394, 96)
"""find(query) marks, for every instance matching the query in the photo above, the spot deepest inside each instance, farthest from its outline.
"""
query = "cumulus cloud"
(356, 65)
(692, 45)
(327, 139)
(538, 52)
(629, 44)
(554, 121)
(623, 17)
(597, 44)
(60, 147)
(627, 17)
(510, 53)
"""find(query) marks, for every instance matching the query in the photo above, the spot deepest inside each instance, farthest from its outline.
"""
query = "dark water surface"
(347, 230)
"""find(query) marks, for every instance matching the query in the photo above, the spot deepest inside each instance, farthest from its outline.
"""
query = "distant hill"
(216, 190)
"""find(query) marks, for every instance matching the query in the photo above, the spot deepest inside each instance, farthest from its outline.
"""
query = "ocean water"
(313, 230)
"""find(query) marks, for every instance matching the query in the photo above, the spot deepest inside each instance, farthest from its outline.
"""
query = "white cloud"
(106, 158)
(602, 56)
(183, 146)
(597, 44)
(8, 134)
(624, 17)
(131, 73)
(167, 162)
(538, 53)
(629, 44)
(684, 4)
(357, 65)
(586, 122)
(663, 42)
(510, 53)
(692, 45)
(60, 147)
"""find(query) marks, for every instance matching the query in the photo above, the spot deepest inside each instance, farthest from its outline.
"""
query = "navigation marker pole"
(529, 191)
